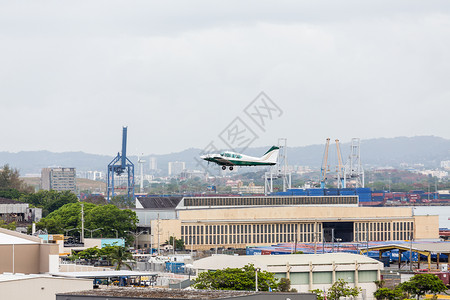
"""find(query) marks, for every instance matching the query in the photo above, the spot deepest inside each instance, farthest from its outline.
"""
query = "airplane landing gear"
(231, 168)
(224, 167)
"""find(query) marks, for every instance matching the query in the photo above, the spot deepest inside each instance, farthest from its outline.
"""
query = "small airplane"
(230, 159)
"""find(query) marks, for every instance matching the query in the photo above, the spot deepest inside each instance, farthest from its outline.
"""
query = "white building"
(307, 271)
(435, 173)
(176, 167)
(445, 164)
(153, 164)
(58, 179)
(39, 286)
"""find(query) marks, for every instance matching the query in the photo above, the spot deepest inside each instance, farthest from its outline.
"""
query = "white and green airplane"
(231, 159)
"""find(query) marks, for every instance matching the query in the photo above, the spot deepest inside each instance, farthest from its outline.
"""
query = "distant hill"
(426, 150)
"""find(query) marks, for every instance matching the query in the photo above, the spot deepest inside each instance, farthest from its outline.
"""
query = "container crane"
(324, 168)
(116, 169)
(340, 166)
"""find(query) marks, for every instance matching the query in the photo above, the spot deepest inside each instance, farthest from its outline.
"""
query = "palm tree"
(120, 256)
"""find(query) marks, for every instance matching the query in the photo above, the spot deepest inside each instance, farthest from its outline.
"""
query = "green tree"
(339, 289)
(10, 179)
(109, 218)
(284, 285)
(179, 243)
(49, 201)
(10, 226)
(236, 279)
(420, 284)
(120, 257)
(10, 194)
(112, 220)
(384, 293)
(89, 253)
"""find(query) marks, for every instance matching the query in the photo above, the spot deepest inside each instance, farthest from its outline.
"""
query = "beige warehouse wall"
(166, 229)
(426, 227)
(26, 258)
(291, 212)
(47, 251)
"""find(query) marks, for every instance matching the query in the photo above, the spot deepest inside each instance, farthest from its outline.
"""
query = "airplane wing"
(222, 161)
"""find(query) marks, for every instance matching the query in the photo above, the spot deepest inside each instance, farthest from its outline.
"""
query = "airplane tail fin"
(271, 156)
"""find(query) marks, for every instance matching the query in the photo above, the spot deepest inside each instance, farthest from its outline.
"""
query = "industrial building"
(39, 286)
(238, 222)
(18, 212)
(21, 253)
(58, 179)
(167, 294)
(307, 271)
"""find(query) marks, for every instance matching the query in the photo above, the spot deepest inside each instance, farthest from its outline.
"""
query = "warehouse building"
(21, 253)
(18, 212)
(307, 271)
(238, 222)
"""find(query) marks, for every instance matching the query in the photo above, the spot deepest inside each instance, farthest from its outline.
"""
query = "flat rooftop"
(160, 293)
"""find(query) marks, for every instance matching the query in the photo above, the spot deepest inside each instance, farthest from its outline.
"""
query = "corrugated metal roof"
(159, 202)
(9, 201)
(433, 247)
(102, 274)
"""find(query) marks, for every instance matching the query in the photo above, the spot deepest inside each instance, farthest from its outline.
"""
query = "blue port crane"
(324, 168)
(121, 172)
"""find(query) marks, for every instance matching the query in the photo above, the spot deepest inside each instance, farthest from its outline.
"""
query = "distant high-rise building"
(153, 164)
(176, 167)
(58, 179)
(445, 164)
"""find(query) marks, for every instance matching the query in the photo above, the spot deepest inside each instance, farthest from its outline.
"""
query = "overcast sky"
(178, 73)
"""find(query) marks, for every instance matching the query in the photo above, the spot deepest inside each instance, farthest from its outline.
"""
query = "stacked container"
(315, 192)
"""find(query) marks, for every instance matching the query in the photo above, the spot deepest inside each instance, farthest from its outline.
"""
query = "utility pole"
(82, 223)
(315, 238)
(332, 238)
(410, 253)
(159, 247)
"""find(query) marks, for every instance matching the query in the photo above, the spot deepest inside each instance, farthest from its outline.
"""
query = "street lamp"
(256, 278)
(136, 236)
(68, 230)
(92, 230)
(339, 240)
(117, 232)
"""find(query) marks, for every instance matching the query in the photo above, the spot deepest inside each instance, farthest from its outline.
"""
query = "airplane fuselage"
(230, 159)
(236, 159)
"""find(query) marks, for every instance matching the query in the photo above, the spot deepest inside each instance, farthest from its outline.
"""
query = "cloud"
(73, 73)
